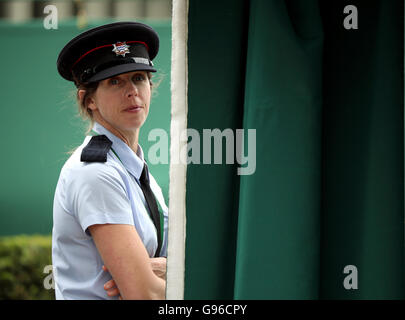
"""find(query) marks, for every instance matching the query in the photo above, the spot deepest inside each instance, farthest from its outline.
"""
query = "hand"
(111, 287)
(159, 267)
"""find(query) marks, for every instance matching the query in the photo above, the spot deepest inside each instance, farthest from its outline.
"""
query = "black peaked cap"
(108, 50)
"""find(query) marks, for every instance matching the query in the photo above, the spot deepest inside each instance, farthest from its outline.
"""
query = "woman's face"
(123, 100)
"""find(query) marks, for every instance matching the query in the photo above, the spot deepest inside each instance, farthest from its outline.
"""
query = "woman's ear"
(89, 103)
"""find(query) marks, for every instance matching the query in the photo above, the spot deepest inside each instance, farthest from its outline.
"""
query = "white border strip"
(178, 150)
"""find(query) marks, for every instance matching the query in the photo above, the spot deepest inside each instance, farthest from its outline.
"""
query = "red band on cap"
(107, 45)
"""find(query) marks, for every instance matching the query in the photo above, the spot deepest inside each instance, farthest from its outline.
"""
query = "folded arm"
(127, 260)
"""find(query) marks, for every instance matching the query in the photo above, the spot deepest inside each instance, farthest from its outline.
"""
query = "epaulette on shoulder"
(96, 150)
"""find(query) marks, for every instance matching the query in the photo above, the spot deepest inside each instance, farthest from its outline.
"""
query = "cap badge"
(121, 49)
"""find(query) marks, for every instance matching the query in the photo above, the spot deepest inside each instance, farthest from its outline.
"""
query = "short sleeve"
(99, 196)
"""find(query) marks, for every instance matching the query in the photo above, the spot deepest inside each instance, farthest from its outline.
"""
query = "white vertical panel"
(178, 151)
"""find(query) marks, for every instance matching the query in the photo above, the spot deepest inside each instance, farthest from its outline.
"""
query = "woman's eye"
(114, 81)
(139, 77)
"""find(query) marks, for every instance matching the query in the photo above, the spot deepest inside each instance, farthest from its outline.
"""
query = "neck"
(130, 137)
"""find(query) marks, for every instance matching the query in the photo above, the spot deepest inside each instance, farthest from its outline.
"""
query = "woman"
(109, 212)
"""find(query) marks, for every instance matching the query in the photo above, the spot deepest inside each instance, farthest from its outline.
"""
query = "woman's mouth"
(133, 109)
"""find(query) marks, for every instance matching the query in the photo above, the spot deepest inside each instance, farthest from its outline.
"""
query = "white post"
(178, 150)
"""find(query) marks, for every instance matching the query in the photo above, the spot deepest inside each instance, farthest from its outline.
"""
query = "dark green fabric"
(327, 106)
(363, 145)
(216, 86)
(278, 237)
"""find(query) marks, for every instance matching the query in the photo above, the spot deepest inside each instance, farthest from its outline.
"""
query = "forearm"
(159, 269)
(150, 287)
(128, 262)
(157, 290)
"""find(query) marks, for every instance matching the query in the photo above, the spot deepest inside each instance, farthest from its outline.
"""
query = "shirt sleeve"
(99, 196)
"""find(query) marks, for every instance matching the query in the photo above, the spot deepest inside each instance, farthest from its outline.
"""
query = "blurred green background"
(39, 121)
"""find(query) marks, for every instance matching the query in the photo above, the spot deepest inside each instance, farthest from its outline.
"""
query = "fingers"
(113, 292)
(158, 263)
(111, 288)
(109, 284)
(159, 267)
(161, 260)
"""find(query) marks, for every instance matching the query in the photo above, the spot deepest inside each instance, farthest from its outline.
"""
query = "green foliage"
(22, 262)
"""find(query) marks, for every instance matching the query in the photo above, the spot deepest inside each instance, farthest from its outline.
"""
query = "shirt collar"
(132, 161)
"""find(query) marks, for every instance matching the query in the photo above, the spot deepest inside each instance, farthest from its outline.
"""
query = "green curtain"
(327, 192)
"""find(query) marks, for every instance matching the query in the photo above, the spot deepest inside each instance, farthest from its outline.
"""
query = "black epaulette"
(96, 150)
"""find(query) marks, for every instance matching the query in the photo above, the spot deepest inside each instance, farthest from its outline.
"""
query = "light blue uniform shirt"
(98, 193)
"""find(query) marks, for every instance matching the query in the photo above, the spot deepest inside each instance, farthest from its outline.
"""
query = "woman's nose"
(132, 89)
